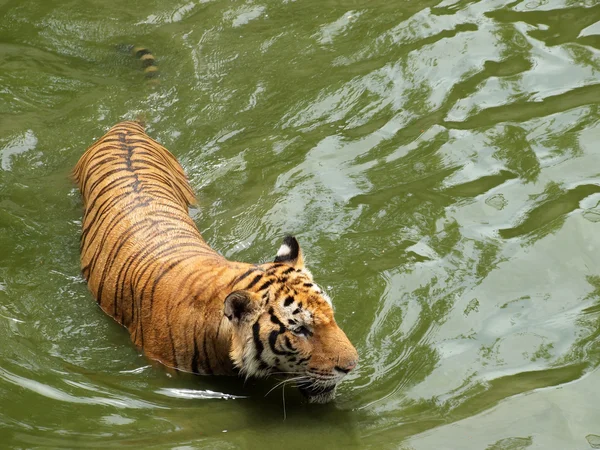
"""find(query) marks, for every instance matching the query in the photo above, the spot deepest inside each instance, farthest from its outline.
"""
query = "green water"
(438, 161)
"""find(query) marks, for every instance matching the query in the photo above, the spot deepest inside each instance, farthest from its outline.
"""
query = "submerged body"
(184, 304)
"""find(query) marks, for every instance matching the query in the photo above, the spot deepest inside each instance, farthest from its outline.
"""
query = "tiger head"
(282, 323)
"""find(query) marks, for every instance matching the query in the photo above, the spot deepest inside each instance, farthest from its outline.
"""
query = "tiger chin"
(183, 303)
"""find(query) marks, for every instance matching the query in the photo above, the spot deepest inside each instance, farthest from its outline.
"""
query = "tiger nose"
(347, 367)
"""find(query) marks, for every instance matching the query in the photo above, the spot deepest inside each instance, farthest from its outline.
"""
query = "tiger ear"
(239, 306)
(290, 253)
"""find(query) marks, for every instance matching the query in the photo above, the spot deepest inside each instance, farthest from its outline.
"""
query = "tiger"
(183, 303)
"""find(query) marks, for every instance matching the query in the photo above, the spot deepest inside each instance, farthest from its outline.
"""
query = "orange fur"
(184, 304)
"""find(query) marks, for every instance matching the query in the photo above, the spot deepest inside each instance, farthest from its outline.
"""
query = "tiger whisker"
(286, 373)
(283, 383)
(283, 397)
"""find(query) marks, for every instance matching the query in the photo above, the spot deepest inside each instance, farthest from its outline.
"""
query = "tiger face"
(283, 323)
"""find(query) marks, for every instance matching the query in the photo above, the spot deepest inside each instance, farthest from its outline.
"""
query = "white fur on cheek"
(243, 354)
(284, 250)
(323, 294)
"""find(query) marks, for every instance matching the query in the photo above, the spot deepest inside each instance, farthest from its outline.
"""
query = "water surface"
(438, 162)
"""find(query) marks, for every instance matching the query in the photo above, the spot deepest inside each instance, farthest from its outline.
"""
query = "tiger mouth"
(317, 394)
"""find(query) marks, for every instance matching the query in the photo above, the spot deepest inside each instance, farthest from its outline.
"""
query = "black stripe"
(142, 52)
(123, 279)
(257, 342)
(113, 253)
(289, 345)
(118, 246)
(266, 284)
(105, 189)
(254, 281)
(117, 183)
(288, 300)
(280, 289)
(103, 178)
(207, 366)
(274, 267)
(172, 342)
(133, 310)
(148, 62)
(276, 321)
(165, 270)
(97, 224)
(273, 340)
(196, 353)
(244, 275)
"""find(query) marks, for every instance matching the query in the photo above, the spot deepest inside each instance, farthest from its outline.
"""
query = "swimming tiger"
(183, 303)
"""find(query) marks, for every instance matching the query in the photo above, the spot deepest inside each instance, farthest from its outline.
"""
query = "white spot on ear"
(284, 250)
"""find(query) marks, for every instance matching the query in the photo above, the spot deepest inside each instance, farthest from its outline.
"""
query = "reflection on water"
(437, 160)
